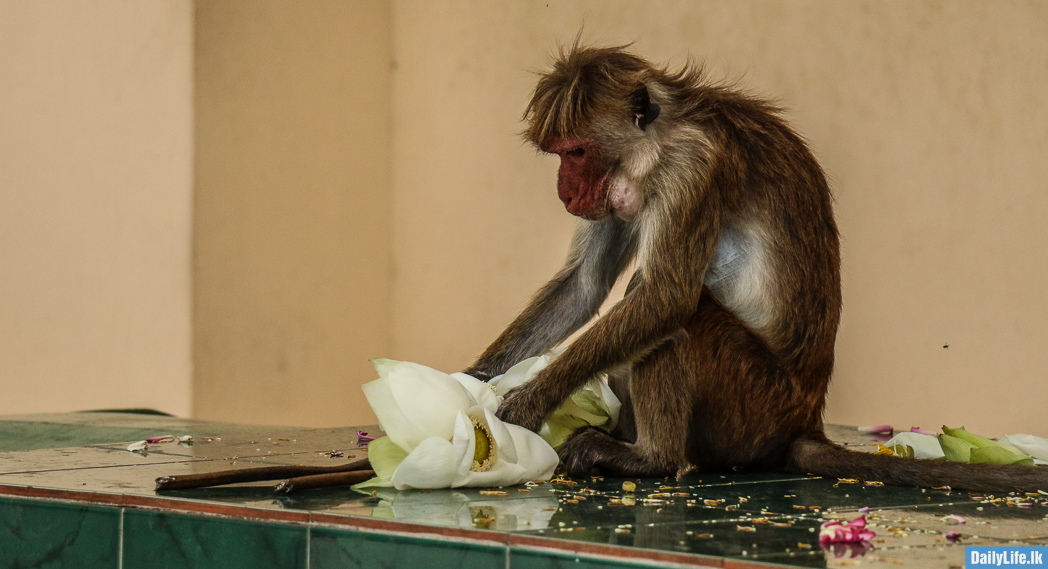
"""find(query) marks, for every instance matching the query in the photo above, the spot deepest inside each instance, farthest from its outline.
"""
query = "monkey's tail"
(822, 457)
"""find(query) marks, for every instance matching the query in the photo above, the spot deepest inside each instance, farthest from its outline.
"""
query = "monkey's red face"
(582, 182)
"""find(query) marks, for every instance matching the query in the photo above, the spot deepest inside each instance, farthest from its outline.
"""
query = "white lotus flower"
(441, 432)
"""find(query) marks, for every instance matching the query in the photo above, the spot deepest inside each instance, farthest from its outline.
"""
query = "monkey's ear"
(644, 111)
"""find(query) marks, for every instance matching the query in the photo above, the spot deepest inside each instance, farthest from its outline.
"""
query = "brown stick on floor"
(256, 474)
(323, 481)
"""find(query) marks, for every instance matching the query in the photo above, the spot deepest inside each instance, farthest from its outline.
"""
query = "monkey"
(722, 347)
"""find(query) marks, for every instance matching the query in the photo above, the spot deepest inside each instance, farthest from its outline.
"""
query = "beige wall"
(95, 188)
(930, 118)
(292, 253)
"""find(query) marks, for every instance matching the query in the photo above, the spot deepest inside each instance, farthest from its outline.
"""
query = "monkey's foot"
(592, 451)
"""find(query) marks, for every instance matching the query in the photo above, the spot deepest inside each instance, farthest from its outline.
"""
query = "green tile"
(529, 559)
(155, 540)
(51, 535)
(339, 549)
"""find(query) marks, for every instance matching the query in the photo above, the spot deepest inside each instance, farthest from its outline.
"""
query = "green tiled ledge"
(44, 533)
(38, 533)
(340, 549)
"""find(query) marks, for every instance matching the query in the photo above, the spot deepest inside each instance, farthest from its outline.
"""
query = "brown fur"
(727, 331)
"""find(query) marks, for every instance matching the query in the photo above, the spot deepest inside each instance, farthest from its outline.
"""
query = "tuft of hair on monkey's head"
(584, 83)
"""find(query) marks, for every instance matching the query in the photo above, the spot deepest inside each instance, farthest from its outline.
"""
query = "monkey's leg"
(747, 407)
(712, 396)
(661, 393)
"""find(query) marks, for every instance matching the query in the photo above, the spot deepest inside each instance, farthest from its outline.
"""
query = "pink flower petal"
(953, 536)
(877, 429)
(921, 431)
(851, 532)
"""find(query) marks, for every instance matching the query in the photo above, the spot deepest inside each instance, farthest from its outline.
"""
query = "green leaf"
(956, 449)
(999, 455)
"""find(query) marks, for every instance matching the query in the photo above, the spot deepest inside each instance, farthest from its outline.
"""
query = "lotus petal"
(432, 464)
(988, 451)
(1035, 446)
(521, 372)
(483, 393)
(429, 399)
(955, 449)
(924, 446)
(385, 456)
(999, 454)
(383, 365)
(964, 435)
(847, 532)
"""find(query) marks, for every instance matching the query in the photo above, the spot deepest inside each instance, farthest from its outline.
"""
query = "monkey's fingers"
(323, 481)
(518, 410)
(223, 477)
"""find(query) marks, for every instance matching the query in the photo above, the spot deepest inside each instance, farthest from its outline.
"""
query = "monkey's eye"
(644, 111)
(578, 152)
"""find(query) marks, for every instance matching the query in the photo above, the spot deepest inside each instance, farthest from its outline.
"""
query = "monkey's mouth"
(582, 181)
(590, 201)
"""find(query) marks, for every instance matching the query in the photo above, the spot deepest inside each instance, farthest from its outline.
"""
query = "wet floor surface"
(732, 519)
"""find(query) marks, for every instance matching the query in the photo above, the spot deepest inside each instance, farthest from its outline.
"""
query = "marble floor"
(72, 495)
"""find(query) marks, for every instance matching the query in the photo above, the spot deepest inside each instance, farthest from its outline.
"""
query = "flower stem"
(323, 481)
(239, 475)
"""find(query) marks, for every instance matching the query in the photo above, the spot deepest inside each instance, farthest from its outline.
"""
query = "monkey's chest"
(741, 276)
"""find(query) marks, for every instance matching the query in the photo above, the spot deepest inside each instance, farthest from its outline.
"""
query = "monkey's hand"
(523, 406)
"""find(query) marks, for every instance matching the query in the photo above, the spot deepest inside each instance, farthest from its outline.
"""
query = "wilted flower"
(953, 520)
(848, 532)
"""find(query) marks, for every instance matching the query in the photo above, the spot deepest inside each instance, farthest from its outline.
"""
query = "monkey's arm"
(599, 252)
(662, 298)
